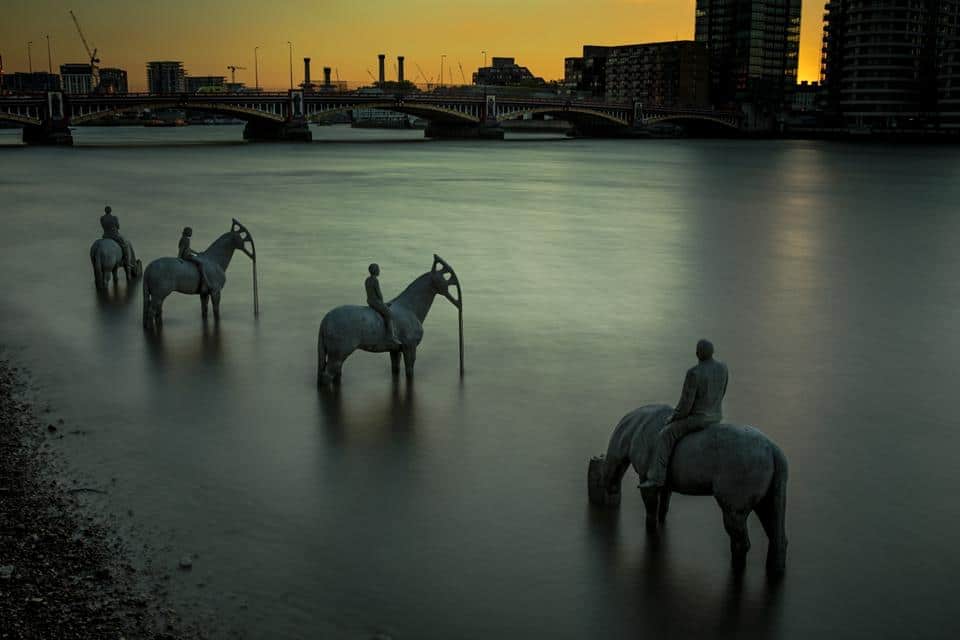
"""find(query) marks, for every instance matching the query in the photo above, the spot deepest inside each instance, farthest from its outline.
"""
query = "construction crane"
(233, 72)
(462, 77)
(423, 75)
(94, 60)
(370, 73)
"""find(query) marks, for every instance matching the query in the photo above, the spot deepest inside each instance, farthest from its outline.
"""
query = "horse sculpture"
(739, 466)
(166, 275)
(350, 327)
(106, 256)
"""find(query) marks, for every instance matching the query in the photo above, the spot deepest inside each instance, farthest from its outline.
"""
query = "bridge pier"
(265, 131)
(464, 131)
(49, 134)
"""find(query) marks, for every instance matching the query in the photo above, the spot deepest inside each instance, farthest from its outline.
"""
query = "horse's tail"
(321, 354)
(773, 512)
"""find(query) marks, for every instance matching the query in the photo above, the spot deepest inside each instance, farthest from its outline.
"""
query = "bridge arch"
(412, 108)
(14, 118)
(235, 110)
(571, 114)
(695, 117)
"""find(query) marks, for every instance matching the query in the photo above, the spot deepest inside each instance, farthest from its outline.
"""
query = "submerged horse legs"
(395, 362)
(409, 359)
(216, 305)
(735, 522)
(204, 299)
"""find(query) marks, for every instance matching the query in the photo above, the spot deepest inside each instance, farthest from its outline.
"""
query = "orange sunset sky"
(208, 35)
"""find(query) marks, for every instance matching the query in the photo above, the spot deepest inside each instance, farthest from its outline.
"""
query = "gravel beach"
(64, 573)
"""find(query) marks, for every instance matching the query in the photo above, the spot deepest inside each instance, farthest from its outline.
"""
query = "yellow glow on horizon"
(208, 35)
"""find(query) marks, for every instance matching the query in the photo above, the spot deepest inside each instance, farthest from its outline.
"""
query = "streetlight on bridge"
(256, 69)
(443, 57)
(30, 55)
(290, 47)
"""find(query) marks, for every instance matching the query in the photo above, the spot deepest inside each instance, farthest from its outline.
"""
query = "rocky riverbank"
(64, 573)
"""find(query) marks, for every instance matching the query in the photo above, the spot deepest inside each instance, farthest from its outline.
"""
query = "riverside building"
(669, 74)
(166, 77)
(76, 79)
(754, 47)
(890, 64)
(113, 81)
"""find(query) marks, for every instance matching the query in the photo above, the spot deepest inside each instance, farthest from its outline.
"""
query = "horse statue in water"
(166, 275)
(739, 466)
(106, 256)
(350, 327)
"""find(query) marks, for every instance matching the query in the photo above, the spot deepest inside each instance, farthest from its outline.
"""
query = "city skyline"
(538, 34)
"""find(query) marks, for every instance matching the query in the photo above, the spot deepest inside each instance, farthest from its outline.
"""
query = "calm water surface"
(826, 274)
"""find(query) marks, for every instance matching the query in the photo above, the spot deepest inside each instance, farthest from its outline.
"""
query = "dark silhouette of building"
(754, 47)
(113, 80)
(949, 85)
(37, 81)
(889, 64)
(76, 79)
(675, 74)
(588, 73)
(165, 77)
(668, 74)
(505, 72)
(205, 84)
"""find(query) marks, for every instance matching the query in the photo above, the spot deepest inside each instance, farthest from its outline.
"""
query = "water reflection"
(115, 297)
(178, 351)
(394, 414)
(667, 598)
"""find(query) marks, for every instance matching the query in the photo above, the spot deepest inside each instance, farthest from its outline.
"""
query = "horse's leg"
(409, 359)
(204, 298)
(651, 500)
(334, 368)
(395, 362)
(216, 305)
(735, 522)
(664, 505)
(769, 512)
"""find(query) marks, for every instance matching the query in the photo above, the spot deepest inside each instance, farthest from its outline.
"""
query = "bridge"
(46, 118)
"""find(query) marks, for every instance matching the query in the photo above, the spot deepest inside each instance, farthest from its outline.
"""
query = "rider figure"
(701, 405)
(186, 253)
(375, 300)
(111, 230)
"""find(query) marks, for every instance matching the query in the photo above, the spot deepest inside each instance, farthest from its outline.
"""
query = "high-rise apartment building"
(588, 73)
(205, 84)
(889, 64)
(754, 47)
(165, 77)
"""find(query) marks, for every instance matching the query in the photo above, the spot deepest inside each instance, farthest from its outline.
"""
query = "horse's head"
(240, 237)
(442, 277)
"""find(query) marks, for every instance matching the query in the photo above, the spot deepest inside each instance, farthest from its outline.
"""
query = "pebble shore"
(63, 573)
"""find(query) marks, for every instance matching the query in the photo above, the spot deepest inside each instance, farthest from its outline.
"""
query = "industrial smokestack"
(383, 73)
(306, 73)
(326, 77)
(400, 69)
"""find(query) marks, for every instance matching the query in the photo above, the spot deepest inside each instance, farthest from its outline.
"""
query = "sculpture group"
(686, 449)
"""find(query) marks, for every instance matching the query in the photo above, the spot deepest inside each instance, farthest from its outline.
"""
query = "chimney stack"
(383, 74)
(306, 73)
(326, 77)
(400, 69)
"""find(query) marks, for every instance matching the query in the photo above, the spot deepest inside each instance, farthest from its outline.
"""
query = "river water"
(825, 273)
